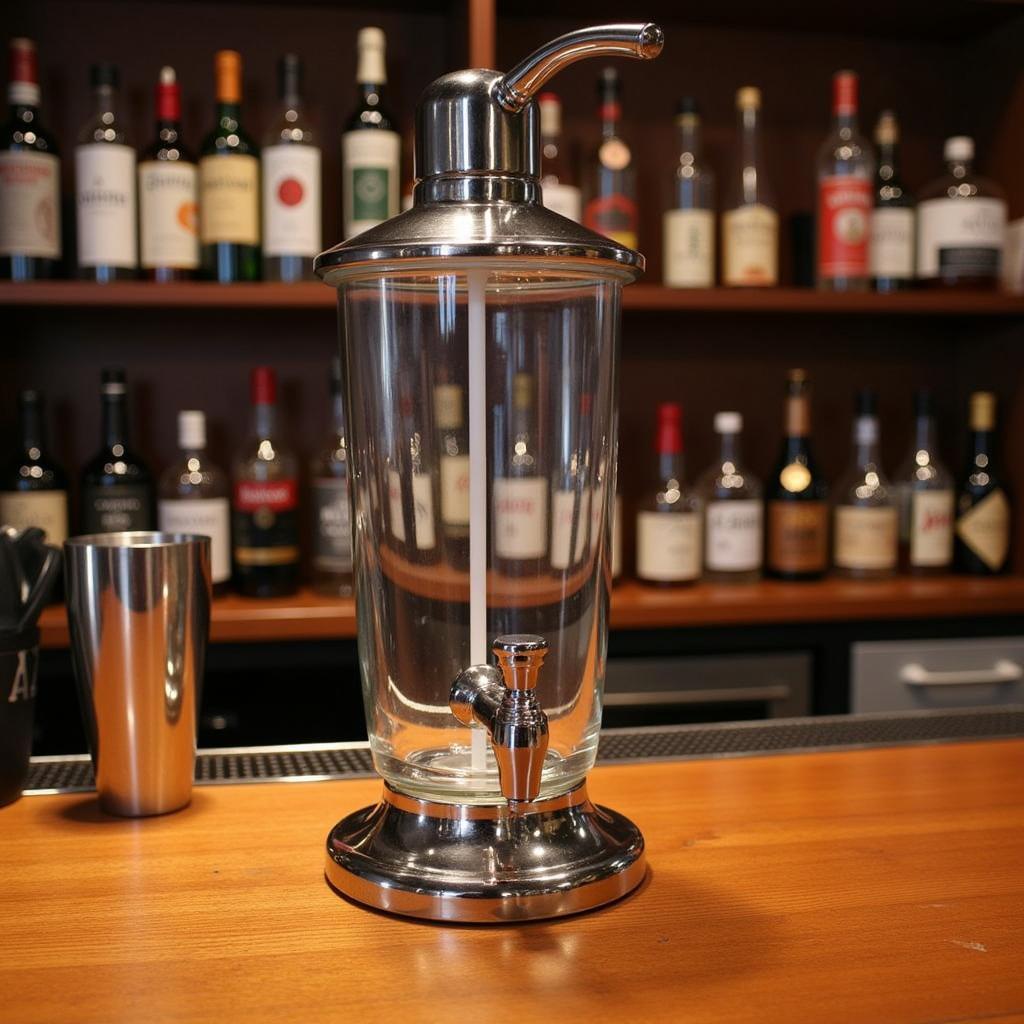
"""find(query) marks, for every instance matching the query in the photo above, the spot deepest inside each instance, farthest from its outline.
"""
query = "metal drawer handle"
(1003, 671)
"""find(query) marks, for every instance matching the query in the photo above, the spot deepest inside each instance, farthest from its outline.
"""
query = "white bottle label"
(370, 171)
(865, 537)
(891, 252)
(229, 199)
(291, 201)
(208, 517)
(46, 509)
(105, 201)
(563, 504)
(689, 243)
(931, 528)
(29, 204)
(423, 511)
(520, 517)
(566, 200)
(668, 546)
(750, 246)
(733, 542)
(961, 236)
(168, 214)
(455, 490)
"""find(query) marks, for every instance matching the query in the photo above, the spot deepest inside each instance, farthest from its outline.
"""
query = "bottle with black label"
(332, 517)
(866, 525)
(33, 486)
(168, 208)
(961, 224)
(117, 487)
(924, 493)
(891, 250)
(194, 496)
(105, 196)
(982, 508)
(291, 183)
(733, 510)
(30, 245)
(265, 505)
(797, 547)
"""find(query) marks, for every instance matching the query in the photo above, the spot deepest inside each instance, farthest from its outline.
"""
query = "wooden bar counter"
(868, 886)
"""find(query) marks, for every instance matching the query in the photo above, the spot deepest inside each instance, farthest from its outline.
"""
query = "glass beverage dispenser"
(480, 336)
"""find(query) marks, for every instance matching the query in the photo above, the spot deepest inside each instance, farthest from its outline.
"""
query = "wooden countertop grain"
(875, 885)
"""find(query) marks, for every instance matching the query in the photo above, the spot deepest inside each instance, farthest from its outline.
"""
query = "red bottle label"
(844, 218)
(273, 495)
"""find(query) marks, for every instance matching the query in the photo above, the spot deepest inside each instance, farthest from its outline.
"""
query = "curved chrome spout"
(517, 87)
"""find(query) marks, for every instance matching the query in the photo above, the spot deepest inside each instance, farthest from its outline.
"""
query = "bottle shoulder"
(25, 133)
(970, 186)
(228, 138)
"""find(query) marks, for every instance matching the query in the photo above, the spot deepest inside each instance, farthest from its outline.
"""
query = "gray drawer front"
(782, 681)
(904, 675)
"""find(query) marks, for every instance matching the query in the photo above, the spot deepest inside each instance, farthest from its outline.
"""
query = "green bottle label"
(369, 193)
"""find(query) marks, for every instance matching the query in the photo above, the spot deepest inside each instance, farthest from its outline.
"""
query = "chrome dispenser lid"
(477, 160)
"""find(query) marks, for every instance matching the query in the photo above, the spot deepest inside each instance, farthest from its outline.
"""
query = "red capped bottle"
(265, 501)
(846, 168)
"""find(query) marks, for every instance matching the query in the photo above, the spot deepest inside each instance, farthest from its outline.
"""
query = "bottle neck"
(26, 112)
(925, 434)
(229, 113)
(168, 131)
(959, 168)
(264, 417)
(981, 444)
(105, 101)
(750, 153)
(32, 430)
(865, 440)
(338, 414)
(370, 94)
(611, 114)
(729, 448)
(845, 122)
(888, 161)
(689, 139)
(115, 421)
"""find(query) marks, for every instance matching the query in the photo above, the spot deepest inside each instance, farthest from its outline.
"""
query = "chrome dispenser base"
(482, 864)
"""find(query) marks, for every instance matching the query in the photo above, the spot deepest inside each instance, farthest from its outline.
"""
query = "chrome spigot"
(504, 701)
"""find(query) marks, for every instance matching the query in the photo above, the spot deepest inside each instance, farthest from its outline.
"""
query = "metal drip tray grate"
(321, 761)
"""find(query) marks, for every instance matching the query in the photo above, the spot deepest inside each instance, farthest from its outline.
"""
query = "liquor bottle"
(30, 246)
(733, 510)
(291, 184)
(520, 495)
(168, 183)
(961, 224)
(688, 229)
(264, 508)
(571, 488)
(750, 224)
(105, 196)
(865, 510)
(229, 192)
(410, 485)
(891, 248)
(611, 208)
(983, 509)
(193, 496)
(924, 494)
(668, 520)
(846, 167)
(370, 145)
(450, 419)
(33, 487)
(797, 495)
(117, 488)
(332, 516)
(556, 178)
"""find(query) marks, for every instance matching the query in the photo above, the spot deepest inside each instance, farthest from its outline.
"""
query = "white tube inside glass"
(477, 280)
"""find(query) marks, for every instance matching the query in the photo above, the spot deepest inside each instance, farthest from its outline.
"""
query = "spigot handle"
(516, 88)
(520, 656)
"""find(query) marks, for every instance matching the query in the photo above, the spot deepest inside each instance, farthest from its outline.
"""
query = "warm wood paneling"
(873, 885)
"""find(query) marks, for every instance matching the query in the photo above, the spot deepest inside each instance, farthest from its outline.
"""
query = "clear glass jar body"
(549, 341)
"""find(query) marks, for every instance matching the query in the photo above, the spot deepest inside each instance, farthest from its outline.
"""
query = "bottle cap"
(923, 402)
(959, 148)
(669, 438)
(191, 430)
(227, 66)
(112, 381)
(289, 77)
(728, 422)
(748, 98)
(263, 386)
(844, 92)
(104, 73)
(983, 410)
(887, 129)
(168, 95)
(23, 81)
(866, 403)
(371, 69)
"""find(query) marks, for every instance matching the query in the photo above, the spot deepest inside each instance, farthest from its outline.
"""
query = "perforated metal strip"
(313, 762)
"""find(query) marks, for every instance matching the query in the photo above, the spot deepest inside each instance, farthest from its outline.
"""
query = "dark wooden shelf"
(198, 295)
(307, 616)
